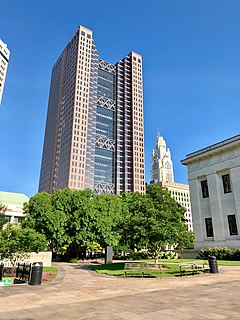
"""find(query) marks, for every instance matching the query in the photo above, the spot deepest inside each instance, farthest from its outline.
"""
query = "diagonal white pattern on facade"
(104, 143)
(104, 65)
(106, 103)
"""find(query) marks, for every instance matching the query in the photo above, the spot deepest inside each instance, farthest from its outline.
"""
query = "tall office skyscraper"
(162, 167)
(4, 57)
(94, 134)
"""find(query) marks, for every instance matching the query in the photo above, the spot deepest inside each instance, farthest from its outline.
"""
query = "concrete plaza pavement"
(77, 293)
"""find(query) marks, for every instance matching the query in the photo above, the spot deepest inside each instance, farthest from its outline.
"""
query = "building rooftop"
(228, 143)
(13, 198)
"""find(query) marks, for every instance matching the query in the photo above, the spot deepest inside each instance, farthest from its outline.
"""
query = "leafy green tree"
(171, 215)
(108, 210)
(74, 220)
(46, 214)
(154, 221)
(134, 224)
(17, 241)
(81, 223)
(3, 220)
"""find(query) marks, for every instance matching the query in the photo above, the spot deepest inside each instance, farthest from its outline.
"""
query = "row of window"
(232, 224)
(226, 182)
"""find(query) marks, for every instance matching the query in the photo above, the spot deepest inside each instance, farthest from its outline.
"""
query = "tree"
(3, 220)
(81, 223)
(108, 210)
(17, 241)
(134, 224)
(75, 219)
(171, 214)
(154, 221)
(47, 215)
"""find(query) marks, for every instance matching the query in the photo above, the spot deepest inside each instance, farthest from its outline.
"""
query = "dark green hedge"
(220, 253)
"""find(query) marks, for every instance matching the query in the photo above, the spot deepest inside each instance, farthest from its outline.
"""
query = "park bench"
(23, 273)
(201, 266)
(142, 268)
(190, 268)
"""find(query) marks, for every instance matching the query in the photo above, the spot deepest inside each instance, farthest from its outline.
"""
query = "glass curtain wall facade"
(94, 130)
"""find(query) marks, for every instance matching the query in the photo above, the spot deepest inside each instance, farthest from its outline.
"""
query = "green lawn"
(228, 263)
(50, 269)
(117, 269)
(170, 267)
(219, 262)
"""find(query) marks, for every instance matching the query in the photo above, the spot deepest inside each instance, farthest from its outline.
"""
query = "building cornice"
(229, 146)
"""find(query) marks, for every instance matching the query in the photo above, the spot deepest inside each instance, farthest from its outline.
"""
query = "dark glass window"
(105, 84)
(232, 225)
(82, 33)
(209, 227)
(226, 183)
(104, 166)
(8, 218)
(204, 186)
(104, 122)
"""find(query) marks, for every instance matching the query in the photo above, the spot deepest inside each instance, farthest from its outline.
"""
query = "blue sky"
(191, 71)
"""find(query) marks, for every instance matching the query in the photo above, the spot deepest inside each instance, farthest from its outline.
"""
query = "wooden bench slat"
(143, 268)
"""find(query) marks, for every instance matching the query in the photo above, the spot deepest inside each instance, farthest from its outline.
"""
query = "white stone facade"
(162, 167)
(180, 192)
(214, 181)
(4, 57)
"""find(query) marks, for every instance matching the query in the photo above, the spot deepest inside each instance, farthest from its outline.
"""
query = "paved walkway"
(80, 294)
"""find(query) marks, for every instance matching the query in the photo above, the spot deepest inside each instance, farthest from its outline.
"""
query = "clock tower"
(162, 167)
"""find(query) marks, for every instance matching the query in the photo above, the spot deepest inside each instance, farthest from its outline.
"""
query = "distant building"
(162, 174)
(14, 203)
(214, 181)
(180, 192)
(4, 57)
(162, 167)
(94, 135)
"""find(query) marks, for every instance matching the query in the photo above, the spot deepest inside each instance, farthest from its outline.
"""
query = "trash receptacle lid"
(212, 258)
(37, 264)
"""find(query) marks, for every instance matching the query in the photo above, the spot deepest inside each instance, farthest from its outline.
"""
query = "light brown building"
(94, 134)
(180, 192)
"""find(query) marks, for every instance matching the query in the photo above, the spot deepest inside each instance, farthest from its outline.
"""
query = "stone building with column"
(214, 181)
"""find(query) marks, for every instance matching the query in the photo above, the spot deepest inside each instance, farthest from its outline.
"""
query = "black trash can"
(36, 274)
(1, 270)
(212, 261)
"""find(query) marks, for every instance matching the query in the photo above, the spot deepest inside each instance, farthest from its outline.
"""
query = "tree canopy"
(16, 240)
(154, 221)
(74, 220)
(3, 220)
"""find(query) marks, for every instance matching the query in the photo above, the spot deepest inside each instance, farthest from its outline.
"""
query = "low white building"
(14, 203)
(180, 192)
(214, 181)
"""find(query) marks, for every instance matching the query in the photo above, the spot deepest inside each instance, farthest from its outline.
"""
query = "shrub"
(169, 255)
(220, 253)
(73, 260)
(139, 255)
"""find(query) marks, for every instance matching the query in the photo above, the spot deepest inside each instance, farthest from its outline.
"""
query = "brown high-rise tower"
(94, 134)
